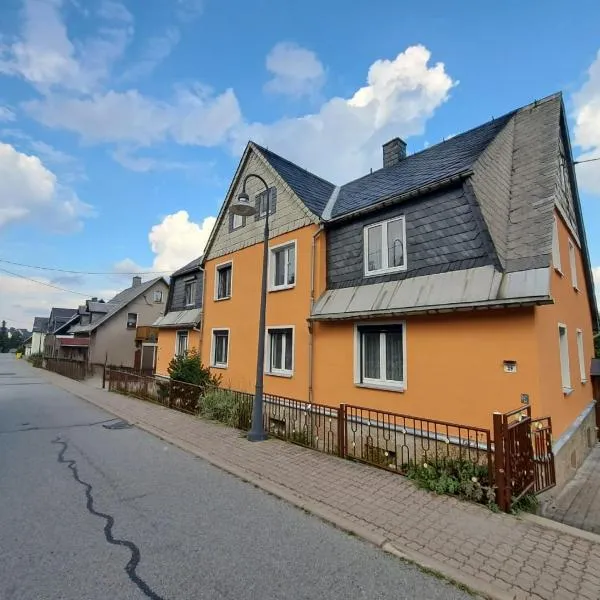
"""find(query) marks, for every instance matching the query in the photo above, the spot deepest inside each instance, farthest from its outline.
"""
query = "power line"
(56, 287)
(578, 162)
(11, 262)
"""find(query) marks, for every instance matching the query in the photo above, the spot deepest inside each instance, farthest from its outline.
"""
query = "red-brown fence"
(74, 369)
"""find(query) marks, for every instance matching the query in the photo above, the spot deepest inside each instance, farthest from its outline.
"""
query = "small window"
(182, 343)
(573, 264)
(223, 281)
(261, 203)
(220, 349)
(237, 221)
(380, 355)
(564, 359)
(385, 247)
(283, 266)
(189, 293)
(280, 351)
(131, 320)
(556, 247)
(158, 296)
(581, 355)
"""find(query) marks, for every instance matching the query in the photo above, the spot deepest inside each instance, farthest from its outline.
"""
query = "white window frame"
(194, 284)
(556, 247)
(381, 384)
(581, 356)
(384, 248)
(187, 346)
(136, 320)
(277, 248)
(279, 372)
(213, 362)
(573, 264)
(158, 294)
(240, 222)
(218, 268)
(565, 367)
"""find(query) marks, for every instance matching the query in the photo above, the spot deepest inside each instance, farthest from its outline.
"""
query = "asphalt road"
(91, 510)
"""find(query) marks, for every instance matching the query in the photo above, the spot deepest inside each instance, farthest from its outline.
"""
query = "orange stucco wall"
(571, 308)
(240, 315)
(166, 348)
(454, 366)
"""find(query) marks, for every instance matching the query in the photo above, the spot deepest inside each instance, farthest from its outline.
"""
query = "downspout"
(312, 302)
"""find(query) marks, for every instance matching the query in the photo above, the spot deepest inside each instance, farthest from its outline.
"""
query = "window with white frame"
(573, 264)
(220, 347)
(280, 350)
(555, 246)
(380, 357)
(237, 221)
(223, 281)
(261, 203)
(385, 246)
(581, 355)
(564, 358)
(158, 296)
(189, 292)
(182, 342)
(283, 266)
(131, 320)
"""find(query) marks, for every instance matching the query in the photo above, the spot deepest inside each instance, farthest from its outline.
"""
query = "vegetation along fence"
(521, 462)
(75, 369)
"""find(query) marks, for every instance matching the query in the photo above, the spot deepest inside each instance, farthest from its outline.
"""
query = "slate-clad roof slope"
(40, 324)
(99, 307)
(61, 313)
(194, 265)
(311, 189)
(439, 162)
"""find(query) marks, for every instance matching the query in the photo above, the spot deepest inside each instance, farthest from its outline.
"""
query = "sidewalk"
(496, 555)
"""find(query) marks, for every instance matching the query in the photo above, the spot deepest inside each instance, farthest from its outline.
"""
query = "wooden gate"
(524, 462)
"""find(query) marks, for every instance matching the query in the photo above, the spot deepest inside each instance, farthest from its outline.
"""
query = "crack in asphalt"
(134, 561)
(51, 427)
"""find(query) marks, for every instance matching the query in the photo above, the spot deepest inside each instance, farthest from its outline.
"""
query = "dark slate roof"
(439, 162)
(63, 313)
(190, 267)
(40, 324)
(311, 189)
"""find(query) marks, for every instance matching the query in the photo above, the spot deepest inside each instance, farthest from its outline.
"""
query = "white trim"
(581, 355)
(267, 358)
(177, 332)
(565, 367)
(556, 246)
(194, 283)
(216, 290)
(384, 247)
(326, 215)
(389, 385)
(154, 296)
(272, 249)
(573, 264)
(212, 347)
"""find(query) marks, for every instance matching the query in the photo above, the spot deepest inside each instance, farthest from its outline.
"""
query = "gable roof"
(313, 190)
(192, 266)
(115, 304)
(62, 313)
(40, 324)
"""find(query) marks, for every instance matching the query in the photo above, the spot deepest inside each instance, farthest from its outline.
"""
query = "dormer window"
(385, 247)
(189, 293)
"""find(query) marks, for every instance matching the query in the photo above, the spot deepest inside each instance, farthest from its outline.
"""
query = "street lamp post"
(243, 207)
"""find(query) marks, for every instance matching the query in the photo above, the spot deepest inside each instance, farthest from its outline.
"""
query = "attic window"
(131, 320)
(385, 247)
(261, 203)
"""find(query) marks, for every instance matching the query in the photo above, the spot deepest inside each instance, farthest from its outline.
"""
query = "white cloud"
(30, 191)
(343, 139)
(115, 11)
(155, 51)
(587, 128)
(6, 114)
(188, 10)
(45, 56)
(296, 71)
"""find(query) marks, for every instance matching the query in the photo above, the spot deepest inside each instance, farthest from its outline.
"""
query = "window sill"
(218, 366)
(557, 269)
(584, 381)
(576, 288)
(385, 271)
(567, 391)
(223, 298)
(285, 374)
(280, 288)
(389, 387)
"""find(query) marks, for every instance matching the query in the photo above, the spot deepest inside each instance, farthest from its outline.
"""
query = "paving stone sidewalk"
(498, 555)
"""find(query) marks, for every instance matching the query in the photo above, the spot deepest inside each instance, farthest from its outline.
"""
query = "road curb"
(322, 511)
(589, 536)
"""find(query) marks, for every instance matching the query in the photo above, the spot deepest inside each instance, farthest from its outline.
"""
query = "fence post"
(342, 430)
(503, 494)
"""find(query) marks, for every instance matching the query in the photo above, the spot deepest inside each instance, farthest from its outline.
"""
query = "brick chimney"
(137, 280)
(393, 152)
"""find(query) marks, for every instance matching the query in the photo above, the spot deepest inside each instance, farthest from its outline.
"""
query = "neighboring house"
(36, 344)
(59, 317)
(106, 331)
(179, 327)
(449, 284)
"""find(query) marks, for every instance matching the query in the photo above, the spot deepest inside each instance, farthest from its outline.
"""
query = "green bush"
(188, 368)
(36, 359)
(226, 407)
(455, 477)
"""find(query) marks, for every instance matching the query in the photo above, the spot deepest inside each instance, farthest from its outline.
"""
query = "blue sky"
(121, 121)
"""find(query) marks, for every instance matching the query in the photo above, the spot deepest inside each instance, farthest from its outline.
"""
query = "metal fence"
(75, 369)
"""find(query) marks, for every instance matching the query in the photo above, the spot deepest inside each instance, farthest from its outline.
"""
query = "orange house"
(448, 284)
